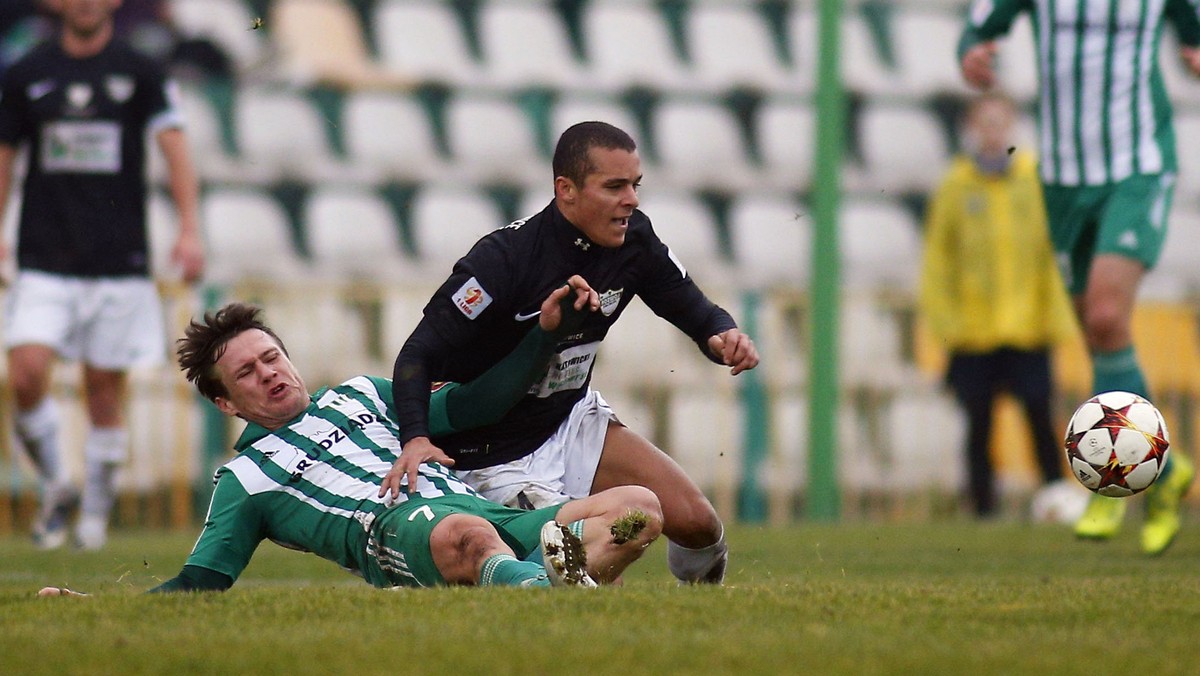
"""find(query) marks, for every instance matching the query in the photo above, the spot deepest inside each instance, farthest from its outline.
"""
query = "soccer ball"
(1117, 444)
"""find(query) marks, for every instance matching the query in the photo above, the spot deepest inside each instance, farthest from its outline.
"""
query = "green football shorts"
(398, 551)
(1128, 218)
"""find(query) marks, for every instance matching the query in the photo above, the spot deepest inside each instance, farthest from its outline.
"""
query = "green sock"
(1119, 370)
(508, 570)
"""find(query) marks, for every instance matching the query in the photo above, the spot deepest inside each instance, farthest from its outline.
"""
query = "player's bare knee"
(636, 520)
(460, 543)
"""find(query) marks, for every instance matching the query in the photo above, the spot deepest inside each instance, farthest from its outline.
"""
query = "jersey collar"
(255, 432)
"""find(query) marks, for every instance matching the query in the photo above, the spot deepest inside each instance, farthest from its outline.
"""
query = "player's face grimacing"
(264, 387)
(601, 207)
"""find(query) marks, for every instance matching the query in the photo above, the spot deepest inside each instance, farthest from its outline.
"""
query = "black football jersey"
(492, 298)
(84, 123)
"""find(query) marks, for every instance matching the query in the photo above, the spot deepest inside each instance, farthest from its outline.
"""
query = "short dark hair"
(204, 342)
(571, 154)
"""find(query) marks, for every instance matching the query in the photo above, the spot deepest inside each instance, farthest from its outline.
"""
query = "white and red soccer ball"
(1117, 444)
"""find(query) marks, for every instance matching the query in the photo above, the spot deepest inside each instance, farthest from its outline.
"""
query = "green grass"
(951, 597)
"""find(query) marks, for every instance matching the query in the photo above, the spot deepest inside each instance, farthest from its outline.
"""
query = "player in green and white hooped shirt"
(1108, 171)
(309, 470)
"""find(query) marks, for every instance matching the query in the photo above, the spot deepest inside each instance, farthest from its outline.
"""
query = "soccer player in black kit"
(83, 105)
(562, 440)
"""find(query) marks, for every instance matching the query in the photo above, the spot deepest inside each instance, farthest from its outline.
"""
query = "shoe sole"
(566, 560)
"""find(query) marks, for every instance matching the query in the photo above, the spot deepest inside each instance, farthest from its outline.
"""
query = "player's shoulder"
(41, 56)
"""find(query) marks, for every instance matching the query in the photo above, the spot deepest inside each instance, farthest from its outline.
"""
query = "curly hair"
(204, 342)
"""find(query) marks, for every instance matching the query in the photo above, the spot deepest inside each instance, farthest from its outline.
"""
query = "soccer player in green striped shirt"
(310, 473)
(1107, 164)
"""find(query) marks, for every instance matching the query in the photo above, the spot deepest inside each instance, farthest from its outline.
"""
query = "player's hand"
(1191, 59)
(188, 255)
(977, 65)
(585, 299)
(734, 349)
(417, 451)
(59, 591)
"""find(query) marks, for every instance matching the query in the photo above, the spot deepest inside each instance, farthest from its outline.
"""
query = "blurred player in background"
(1107, 163)
(82, 105)
(562, 439)
(990, 292)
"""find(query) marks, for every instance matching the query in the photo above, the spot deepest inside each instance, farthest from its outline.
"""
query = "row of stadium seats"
(256, 133)
(698, 45)
(408, 232)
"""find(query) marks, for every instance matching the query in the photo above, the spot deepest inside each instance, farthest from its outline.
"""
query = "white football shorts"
(561, 469)
(106, 323)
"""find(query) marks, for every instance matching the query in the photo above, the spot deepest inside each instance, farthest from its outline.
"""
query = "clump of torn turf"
(629, 526)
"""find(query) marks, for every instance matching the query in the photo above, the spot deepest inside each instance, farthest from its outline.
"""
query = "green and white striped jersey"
(1103, 111)
(312, 484)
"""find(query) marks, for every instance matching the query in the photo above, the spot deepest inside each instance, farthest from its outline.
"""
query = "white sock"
(37, 429)
(103, 452)
(691, 565)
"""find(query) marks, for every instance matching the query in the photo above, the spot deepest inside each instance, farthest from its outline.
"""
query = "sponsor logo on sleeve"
(471, 299)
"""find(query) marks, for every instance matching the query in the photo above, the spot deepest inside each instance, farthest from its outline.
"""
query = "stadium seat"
(526, 44)
(226, 22)
(1187, 150)
(204, 135)
(587, 106)
(322, 41)
(643, 56)
(447, 221)
(699, 146)
(391, 134)
(643, 350)
(685, 225)
(881, 248)
(422, 39)
(903, 148)
(862, 68)
(771, 238)
(162, 227)
(1176, 275)
(492, 139)
(248, 238)
(281, 134)
(924, 434)
(926, 41)
(786, 138)
(352, 234)
(731, 45)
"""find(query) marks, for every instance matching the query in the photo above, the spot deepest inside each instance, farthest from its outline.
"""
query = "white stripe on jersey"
(1049, 160)
(1094, 56)
(1149, 154)
(1064, 66)
(1120, 103)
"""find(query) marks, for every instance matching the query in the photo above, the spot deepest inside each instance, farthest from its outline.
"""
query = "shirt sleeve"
(1185, 16)
(159, 100)
(454, 316)
(232, 531)
(988, 20)
(672, 294)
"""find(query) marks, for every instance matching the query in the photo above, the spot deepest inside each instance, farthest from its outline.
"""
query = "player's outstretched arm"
(59, 591)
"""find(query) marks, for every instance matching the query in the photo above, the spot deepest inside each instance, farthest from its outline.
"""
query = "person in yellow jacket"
(991, 292)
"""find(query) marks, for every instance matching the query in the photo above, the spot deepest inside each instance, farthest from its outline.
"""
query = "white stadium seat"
(881, 247)
(248, 237)
(226, 22)
(423, 40)
(352, 234)
(526, 44)
(904, 148)
(699, 146)
(447, 221)
(786, 138)
(731, 45)
(280, 133)
(391, 134)
(685, 225)
(772, 240)
(644, 55)
(491, 139)
(926, 41)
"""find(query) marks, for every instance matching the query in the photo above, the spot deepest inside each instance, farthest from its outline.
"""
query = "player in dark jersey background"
(82, 106)
(562, 439)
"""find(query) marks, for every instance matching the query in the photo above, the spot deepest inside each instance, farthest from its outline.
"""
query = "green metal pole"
(752, 500)
(824, 502)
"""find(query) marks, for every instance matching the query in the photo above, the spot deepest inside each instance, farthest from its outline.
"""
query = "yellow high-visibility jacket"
(988, 277)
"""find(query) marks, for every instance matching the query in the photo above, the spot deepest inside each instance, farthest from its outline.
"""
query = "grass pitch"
(943, 598)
